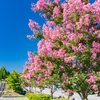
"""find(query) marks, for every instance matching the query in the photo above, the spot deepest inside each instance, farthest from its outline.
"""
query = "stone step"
(1, 93)
(2, 88)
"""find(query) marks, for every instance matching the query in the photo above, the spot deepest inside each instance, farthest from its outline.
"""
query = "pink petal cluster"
(38, 82)
(56, 10)
(29, 76)
(69, 91)
(95, 87)
(38, 78)
(57, 1)
(79, 48)
(41, 4)
(92, 79)
(87, 7)
(93, 56)
(69, 59)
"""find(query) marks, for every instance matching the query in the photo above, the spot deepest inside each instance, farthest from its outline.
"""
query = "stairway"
(2, 88)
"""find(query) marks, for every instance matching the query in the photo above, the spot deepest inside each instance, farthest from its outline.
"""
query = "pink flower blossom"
(69, 91)
(57, 10)
(95, 87)
(93, 56)
(29, 75)
(48, 13)
(38, 78)
(92, 79)
(57, 1)
(38, 82)
(87, 7)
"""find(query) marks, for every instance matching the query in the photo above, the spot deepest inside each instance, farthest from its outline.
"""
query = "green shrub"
(40, 96)
(29, 95)
(14, 82)
(61, 99)
(19, 90)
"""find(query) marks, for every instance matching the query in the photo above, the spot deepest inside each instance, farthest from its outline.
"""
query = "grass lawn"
(21, 98)
(11, 93)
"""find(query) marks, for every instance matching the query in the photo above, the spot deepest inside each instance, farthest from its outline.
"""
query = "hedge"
(41, 96)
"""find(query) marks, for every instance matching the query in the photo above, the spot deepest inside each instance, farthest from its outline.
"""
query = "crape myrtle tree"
(69, 47)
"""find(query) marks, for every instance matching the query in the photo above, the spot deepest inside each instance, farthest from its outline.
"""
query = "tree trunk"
(35, 89)
(51, 91)
(29, 89)
(41, 89)
(51, 95)
(84, 96)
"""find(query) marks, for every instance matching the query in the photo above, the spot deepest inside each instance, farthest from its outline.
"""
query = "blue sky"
(14, 19)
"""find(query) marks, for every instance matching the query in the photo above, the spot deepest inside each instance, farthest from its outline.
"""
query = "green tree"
(14, 82)
(4, 73)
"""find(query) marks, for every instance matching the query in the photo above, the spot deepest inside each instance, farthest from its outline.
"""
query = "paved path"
(76, 96)
(7, 98)
(90, 97)
(57, 94)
